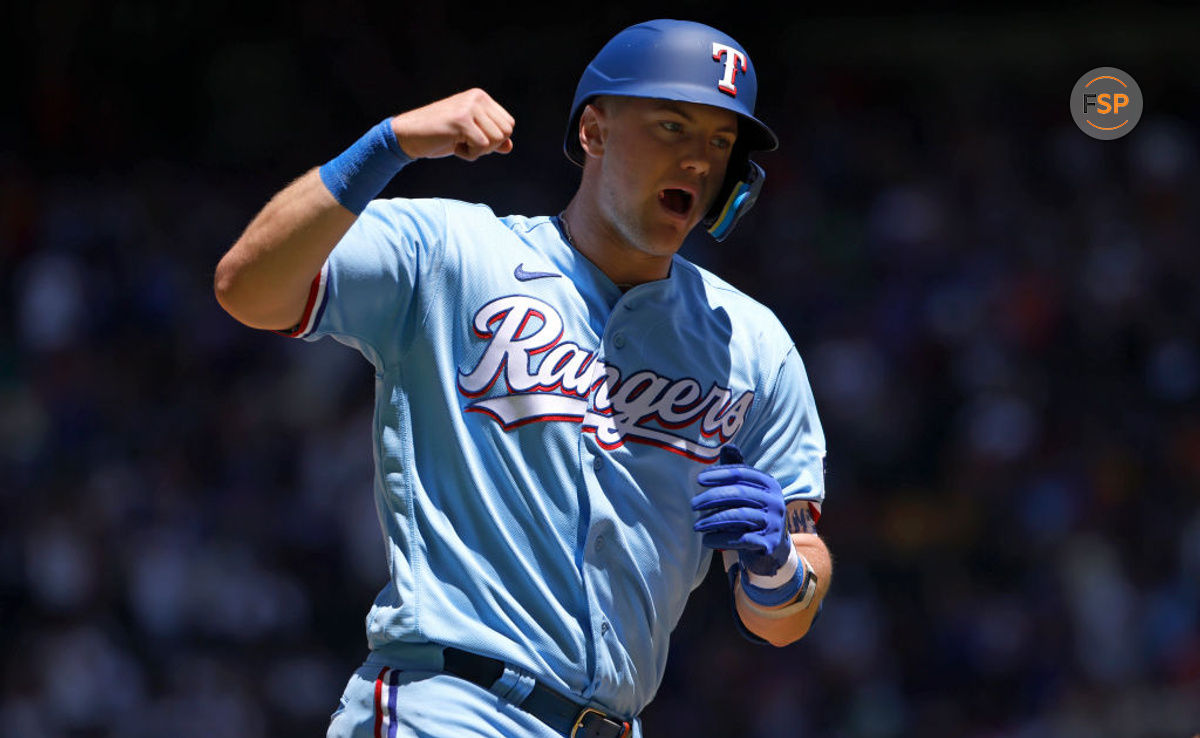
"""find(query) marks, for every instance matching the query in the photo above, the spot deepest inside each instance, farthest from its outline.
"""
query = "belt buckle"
(588, 712)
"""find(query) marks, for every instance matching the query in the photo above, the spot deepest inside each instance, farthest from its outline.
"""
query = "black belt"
(562, 714)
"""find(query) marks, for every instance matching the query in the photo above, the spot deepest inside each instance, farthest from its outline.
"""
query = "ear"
(593, 130)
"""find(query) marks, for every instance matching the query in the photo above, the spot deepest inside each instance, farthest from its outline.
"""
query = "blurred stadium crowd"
(998, 314)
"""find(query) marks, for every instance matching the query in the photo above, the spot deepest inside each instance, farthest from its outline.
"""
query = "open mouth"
(675, 200)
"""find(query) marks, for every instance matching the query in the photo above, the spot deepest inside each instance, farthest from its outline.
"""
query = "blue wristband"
(779, 595)
(359, 173)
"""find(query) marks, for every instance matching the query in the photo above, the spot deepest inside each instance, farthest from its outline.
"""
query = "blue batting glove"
(742, 509)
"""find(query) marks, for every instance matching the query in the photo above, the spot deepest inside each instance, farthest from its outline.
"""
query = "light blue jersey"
(537, 436)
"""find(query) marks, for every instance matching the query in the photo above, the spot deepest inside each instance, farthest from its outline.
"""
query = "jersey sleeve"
(366, 292)
(785, 438)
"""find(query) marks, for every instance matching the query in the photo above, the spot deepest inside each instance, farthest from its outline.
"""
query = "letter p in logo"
(734, 60)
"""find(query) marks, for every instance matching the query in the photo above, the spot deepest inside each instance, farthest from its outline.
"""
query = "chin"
(671, 232)
(664, 240)
(651, 238)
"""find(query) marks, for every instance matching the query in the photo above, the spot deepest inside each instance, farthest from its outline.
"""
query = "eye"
(720, 142)
(672, 126)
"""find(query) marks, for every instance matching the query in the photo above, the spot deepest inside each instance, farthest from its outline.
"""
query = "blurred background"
(999, 317)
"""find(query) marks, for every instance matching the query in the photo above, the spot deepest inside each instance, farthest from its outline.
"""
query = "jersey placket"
(595, 464)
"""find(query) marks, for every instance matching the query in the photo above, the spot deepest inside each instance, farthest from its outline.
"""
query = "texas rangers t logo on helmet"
(733, 60)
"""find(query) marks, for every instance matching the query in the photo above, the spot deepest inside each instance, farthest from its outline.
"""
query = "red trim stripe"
(379, 702)
(314, 289)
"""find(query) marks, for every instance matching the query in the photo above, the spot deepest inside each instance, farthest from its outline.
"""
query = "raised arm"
(264, 278)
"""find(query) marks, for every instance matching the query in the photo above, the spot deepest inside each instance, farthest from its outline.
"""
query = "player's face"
(662, 167)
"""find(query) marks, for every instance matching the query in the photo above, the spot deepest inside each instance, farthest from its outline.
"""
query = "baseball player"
(569, 417)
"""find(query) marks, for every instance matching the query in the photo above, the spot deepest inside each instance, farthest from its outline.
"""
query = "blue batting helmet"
(686, 62)
(673, 60)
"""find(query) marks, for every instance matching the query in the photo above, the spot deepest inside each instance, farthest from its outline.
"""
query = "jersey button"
(597, 463)
(604, 627)
(599, 545)
(619, 340)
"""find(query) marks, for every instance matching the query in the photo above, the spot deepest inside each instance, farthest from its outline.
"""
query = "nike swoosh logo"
(524, 276)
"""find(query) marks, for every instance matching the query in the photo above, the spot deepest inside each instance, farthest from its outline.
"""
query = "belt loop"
(514, 685)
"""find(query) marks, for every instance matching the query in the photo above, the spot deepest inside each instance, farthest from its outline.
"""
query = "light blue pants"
(380, 702)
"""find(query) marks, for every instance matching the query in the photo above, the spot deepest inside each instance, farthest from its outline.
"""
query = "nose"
(698, 157)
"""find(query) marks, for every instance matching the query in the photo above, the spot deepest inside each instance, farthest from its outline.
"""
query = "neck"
(602, 244)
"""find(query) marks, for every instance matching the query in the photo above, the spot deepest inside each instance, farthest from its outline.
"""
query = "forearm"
(263, 280)
(788, 623)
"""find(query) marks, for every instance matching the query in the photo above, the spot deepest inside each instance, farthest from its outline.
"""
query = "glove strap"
(794, 580)
(782, 576)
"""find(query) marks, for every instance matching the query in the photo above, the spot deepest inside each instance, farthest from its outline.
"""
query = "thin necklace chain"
(566, 229)
(562, 218)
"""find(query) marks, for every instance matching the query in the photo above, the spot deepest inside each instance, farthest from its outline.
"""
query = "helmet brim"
(753, 134)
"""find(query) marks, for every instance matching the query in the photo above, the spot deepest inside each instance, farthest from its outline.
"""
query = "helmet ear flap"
(743, 183)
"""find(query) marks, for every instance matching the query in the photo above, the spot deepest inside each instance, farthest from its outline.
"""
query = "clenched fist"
(743, 509)
(467, 125)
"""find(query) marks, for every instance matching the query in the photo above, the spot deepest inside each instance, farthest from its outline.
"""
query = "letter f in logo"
(734, 60)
